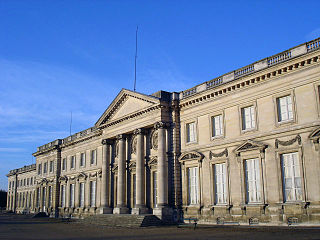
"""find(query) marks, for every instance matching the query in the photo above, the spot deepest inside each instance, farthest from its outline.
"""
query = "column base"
(139, 210)
(105, 210)
(121, 210)
(164, 213)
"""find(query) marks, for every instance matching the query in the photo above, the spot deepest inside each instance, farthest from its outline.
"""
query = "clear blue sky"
(57, 56)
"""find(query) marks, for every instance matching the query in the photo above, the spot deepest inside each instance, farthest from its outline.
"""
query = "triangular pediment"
(126, 103)
(191, 156)
(250, 145)
(315, 134)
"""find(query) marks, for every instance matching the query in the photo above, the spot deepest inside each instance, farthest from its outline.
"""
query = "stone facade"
(243, 147)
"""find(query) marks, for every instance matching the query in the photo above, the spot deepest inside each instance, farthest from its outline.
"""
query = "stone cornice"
(24, 169)
(246, 82)
(277, 59)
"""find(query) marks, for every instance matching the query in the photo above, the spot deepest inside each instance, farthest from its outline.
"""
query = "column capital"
(162, 125)
(138, 131)
(107, 141)
(121, 136)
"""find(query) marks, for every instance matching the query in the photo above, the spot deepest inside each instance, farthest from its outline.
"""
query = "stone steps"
(123, 220)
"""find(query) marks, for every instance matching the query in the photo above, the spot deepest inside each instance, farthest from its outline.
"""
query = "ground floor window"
(81, 194)
(155, 189)
(253, 183)
(92, 193)
(291, 175)
(63, 196)
(72, 195)
(193, 185)
(220, 177)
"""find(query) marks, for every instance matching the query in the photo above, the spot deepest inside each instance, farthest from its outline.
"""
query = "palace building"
(243, 147)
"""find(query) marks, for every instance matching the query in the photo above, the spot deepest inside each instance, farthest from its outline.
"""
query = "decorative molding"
(81, 175)
(289, 142)
(63, 179)
(154, 140)
(121, 137)
(217, 155)
(161, 125)
(153, 161)
(139, 131)
(191, 156)
(107, 141)
(133, 144)
(132, 166)
(314, 137)
(250, 145)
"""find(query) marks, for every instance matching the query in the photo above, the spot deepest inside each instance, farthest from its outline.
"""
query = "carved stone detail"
(154, 140)
(158, 125)
(289, 142)
(121, 137)
(134, 145)
(107, 141)
(139, 131)
(191, 156)
(216, 155)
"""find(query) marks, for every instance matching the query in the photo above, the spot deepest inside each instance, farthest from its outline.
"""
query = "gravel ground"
(23, 227)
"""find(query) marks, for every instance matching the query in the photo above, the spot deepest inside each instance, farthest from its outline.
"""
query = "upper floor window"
(217, 126)
(45, 166)
(292, 184)
(64, 164)
(191, 132)
(284, 106)
(220, 177)
(248, 118)
(72, 162)
(93, 157)
(193, 187)
(27, 181)
(39, 169)
(253, 183)
(51, 166)
(82, 159)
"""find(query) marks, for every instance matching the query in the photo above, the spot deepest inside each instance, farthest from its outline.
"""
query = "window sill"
(285, 123)
(217, 137)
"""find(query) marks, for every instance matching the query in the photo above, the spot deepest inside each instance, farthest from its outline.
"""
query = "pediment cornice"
(249, 145)
(118, 102)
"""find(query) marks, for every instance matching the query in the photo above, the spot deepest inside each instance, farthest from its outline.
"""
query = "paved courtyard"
(24, 227)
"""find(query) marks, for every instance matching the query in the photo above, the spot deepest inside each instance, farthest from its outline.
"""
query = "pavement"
(14, 226)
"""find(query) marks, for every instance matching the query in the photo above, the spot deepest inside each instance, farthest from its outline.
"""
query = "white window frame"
(51, 166)
(253, 181)
(73, 162)
(285, 108)
(82, 159)
(220, 132)
(93, 157)
(296, 176)
(252, 118)
(220, 182)
(81, 194)
(193, 185)
(188, 132)
(93, 192)
(72, 195)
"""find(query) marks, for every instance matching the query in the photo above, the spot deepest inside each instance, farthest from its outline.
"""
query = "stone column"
(106, 156)
(121, 191)
(162, 210)
(140, 207)
(41, 199)
(87, 193)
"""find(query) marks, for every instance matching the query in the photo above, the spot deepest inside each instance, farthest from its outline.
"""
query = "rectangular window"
(39, 169)
(253, 183)
(284, 105)
(155, 189)
(9, 185)
(38, 197)
(82, 159)
(44, 197)
(191, 132)
(291, 174)
(24, 182)
(31, 181)
(217, 127)
(92, 193)
(72, 162)
(134, 189)
(45, 167)
(248, 118)
(64, 164)
(93, 157)
(220, 177)
(63, 196)
(51, 166)
(72, 195)
(27, 181)
(50, 196)
(193, 188)
(81, 194)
